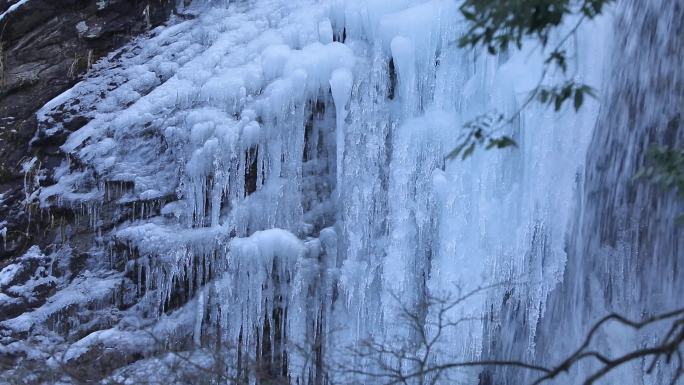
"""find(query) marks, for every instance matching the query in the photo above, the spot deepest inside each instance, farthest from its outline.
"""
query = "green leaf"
(589, 91)
(504, 142)
(467, 14)
(454, 153)
(468, 151)
(558, 102)
(579, 98)
(543, 96)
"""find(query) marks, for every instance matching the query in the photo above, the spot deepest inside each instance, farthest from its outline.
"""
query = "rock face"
(45, 46)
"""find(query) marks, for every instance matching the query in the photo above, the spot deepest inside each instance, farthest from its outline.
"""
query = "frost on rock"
(271, 175)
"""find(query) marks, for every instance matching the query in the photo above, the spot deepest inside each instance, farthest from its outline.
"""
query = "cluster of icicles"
(288, 160)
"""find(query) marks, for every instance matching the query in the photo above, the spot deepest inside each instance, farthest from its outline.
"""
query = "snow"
(266, 245)
(12, 8)
(10, 272)
(84, 290)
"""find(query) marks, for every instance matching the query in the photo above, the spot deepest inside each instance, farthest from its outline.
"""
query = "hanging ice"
(273, 174)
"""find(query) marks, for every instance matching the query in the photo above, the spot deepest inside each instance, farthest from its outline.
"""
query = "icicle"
(340, 85)
(199, 318)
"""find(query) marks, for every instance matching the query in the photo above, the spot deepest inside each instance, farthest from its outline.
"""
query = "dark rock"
(45, 47)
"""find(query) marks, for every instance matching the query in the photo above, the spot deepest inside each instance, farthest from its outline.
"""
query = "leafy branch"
(481, 131)
(497, 25)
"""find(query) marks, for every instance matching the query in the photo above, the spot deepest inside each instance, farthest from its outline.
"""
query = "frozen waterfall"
(271, 175)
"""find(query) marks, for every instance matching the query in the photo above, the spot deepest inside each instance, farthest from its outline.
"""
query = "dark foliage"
(499, 25)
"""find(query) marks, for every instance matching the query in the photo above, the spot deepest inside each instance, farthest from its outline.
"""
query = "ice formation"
(272, 174)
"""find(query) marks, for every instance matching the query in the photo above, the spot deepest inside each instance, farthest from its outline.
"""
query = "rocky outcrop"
(45, 47)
